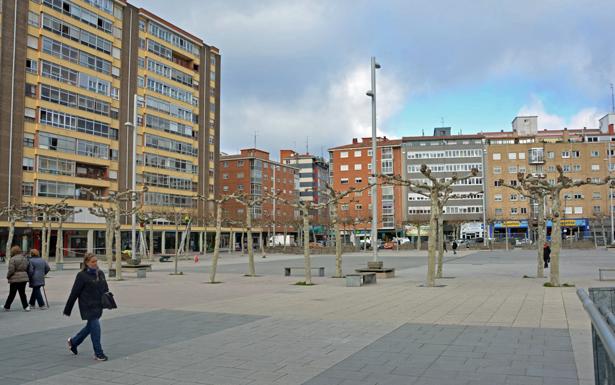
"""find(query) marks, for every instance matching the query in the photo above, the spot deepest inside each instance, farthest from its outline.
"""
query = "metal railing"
(603, 335)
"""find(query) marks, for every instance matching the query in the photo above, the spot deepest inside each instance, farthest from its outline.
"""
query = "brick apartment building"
(254, 173)
(350, 166)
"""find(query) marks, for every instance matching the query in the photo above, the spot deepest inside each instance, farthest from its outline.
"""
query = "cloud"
(323, 116)
(586, 117)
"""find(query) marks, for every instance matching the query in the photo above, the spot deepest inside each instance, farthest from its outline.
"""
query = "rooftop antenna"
(307, 145)
(254, 148)
(612, 99)
(423, 130)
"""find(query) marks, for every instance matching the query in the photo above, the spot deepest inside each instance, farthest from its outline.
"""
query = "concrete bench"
(360, 279)
(287, 270)
(141, 270)
(601, 274)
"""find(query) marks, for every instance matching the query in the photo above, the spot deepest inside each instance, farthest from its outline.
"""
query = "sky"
(295, 72)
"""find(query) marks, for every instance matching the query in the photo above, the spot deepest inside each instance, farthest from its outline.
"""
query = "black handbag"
(108, 302)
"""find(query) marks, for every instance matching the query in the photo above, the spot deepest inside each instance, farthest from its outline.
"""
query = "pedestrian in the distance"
(444, 245)
(546, 255)
(89, 287)
(17, 276)
(454, 247)
(37, 271)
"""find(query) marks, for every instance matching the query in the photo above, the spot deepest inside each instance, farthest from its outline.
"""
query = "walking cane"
(46, 301)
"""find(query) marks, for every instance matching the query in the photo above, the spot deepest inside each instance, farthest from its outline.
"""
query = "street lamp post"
(610, 191)
(133, 220)
(372, 93)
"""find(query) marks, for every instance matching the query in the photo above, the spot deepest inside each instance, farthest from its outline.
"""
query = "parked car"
(463, 242)
(522, 242)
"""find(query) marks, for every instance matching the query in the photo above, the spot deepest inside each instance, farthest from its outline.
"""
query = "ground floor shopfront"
(521, 229)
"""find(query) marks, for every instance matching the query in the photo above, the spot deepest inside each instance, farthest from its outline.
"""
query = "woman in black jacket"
(89, 286)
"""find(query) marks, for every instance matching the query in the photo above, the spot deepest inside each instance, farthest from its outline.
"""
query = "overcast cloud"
(299, 69)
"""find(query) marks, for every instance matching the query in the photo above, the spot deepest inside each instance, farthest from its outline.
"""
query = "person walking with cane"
(89, 287)
(37, 271)
(17, 276)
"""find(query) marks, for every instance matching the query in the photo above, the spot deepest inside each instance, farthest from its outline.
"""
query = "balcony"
(91, 172)
(536, 156)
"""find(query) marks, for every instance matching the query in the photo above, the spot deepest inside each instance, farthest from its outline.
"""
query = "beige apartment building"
(582, 153)
(76, 77)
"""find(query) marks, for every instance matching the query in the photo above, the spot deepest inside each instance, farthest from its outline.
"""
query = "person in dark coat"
(546, 254)
(89, 286)
(454, 247)
(37, 271)
(17, 276)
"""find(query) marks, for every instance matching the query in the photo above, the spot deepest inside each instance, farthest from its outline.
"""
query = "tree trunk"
(48, 242)
(338, 243)
(214, 259)
(151, 240)
(285, 237)
(251, 268)
(9, 240)
(109, 242)
(118, 245)
(243, 249)
(231, 246)
(176, 259)
(418, 236)
(604, 237)
(556, 239)
(440, 245)
(43, 238)
(306, 247)
(262, 245)
(60, 242)
(542, 238)
(432, 242)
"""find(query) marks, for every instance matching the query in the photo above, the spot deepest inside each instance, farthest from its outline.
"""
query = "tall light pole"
(484, 176)
(610, 190)
(372, 93)
(133, 220)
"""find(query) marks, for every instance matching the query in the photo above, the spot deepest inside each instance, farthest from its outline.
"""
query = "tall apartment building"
(252, 172)
(582, 153)
(445, 155)
(350, 166)
(73, 74)
(313, 178)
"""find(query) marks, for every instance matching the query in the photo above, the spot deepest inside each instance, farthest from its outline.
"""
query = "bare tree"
(13, 214)
(47, 211)
(250, 202)
(63, 213)
(438, 191)
(214, 260)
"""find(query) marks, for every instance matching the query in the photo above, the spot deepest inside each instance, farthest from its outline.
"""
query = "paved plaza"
(486, 325)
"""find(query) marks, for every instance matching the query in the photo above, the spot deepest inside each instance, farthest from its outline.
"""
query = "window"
(497, 197)
(576, 154)
(498, 212)
(497, 183)
(595, 154)
(369, 152)
(497, 170)
(568, 210)
(497, 156)
(55, 189)
(28, 140)
(74, 100)
(565, 154)
(344, 207)
(32, 42)
(596, 209)
(513, 211)
(240, 163)
(357, 153)
(566, 168)
(578, 196)
(550, 168)
(358, 180)
(33, 19)
(76, 123)
(30, 114)
(513, 197)
(225, 176)
(595, 167)
(358, 206)
(344, 181)
(512, 169)
(27, 189)
(551, 155)
(596, 195)
(523, 210)
(74, 33)
(76, 56)
(240, 175)
(577, 167)
(522, 169)
(522, 155)
(578, 210)
(512, 156)
(343, 167)
(27, 164)
(31, 66)
(358, 167)
(344, 154)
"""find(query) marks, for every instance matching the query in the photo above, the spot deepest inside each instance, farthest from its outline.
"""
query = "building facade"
(582, 153)
(445, 155)
(253, 173)
(350, 166)
(77, 77)
(313, 179)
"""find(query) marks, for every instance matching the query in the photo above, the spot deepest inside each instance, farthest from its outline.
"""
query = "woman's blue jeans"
(92, 328)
